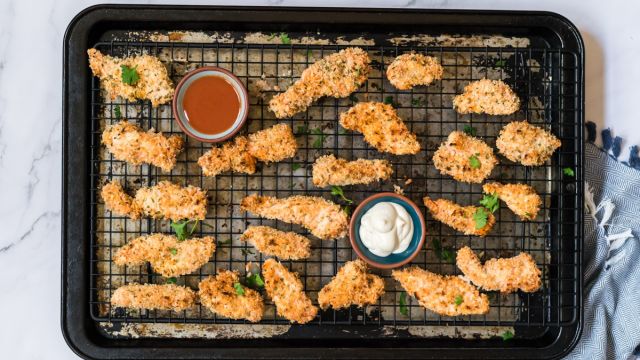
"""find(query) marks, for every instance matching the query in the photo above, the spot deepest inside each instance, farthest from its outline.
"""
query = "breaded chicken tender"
(336, 75)
(329, 170)
(409, 70)
(444, 295)
(153, 296)
(527, 144)
(273, 144)
(522, 199)
(459, 217)
(273, 242)
(504, 275)
(127, 142)
(465, 158)
(286, 291)
(382, 128)
(485, 96)
(153, 84)
(219, 295)
(167, 255)
(321, 217)
(164, 200)
(352, 285)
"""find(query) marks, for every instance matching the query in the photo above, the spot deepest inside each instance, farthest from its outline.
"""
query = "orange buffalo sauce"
(211, 104)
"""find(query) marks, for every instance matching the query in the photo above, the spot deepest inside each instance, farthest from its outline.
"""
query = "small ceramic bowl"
(393, 260)
(181, 89)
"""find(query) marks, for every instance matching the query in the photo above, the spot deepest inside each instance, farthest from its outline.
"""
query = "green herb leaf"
(319, 139)
(568, 171)
(342, 131)
(224, 241)
(347, 209)
(353, 98)
(507, 335)
(129, 75)
(500, 63)
(284, 37)
(117, 112)
(459, 300)
(474, 162)
(490, 201)
(480, 217)
(404, 310)
(337, 191)
(182, 230)
(309, 54)
(173, 251)
(246, 252)
(295, 166)
(255, 281)
(469, 130)
(388, 100)
(171, 280)
(445, 254)
(418, 101)
(302, 130)
(239, 288)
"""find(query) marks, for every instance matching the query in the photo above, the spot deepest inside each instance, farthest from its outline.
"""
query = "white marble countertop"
(31, 35)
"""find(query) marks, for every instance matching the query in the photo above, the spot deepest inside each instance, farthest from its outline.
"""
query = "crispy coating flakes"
(153, 296)
(352, 285)
(119, 202)
(485, 96)
(409, 70)
(329, 170)
(219, 295)
(459, 217)
(382, 128)
(444, 295)
(336, 75)
(273, 144)
(527, 144)
(285, 289)
(504, 275)
(465, 158)
(522, 199)
(273, 242)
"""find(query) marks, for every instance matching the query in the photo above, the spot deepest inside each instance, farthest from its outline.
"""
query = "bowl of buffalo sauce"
(210, 104)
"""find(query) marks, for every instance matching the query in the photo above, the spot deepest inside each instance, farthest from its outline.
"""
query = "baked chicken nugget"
(284, 245)
(286, 291)
(465, 219)
(409, 70)
(465, 158)
(522, 199)
(153, 296)
(329, 170)
(273, 144)
(220, 295)
(352, 285)
(485, 96)
(527, 144)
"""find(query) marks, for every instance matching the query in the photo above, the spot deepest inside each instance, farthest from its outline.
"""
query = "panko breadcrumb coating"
(504, 275)
(127, 142)
(153, 296)
(527, 144)
(164, 200)
(336, 75)
(329, 170)
(382, 128)
(167, 255)
(153, 84)
(459, 217)
(219, 295)
(444, 295)
(321, 217)
(409, 70)
(285, 289)
(458, 154)
(273, 144)
(522, 199)
(485, 96)
(352, 285)
(273, 242)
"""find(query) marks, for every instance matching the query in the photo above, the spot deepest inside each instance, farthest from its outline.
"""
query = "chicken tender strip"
(329, 170)
(273, 144)
(457, 157)
(164, 200)
(442, 294)
(409, 70)
(153, 296)
(504, 275)
(286, 291)
(459, 217)
(284, 245)
(382, 128)
(352, 285)
(219, 295)
(321, 217)
(127, 142)
(485, 96)
(336, 75)
(527, 144)
(153, 84)
(167, 255)
(522, 199)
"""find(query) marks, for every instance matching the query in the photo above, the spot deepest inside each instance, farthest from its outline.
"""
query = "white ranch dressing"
(386, 228)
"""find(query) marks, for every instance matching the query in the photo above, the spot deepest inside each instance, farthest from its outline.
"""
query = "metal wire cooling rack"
(546, 80)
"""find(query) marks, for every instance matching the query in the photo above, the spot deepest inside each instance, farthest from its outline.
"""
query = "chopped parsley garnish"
(317, 143)
(295, 166)
(346, 209)
(255, 281)
(224, 241)
(246, 252)
(500, 63)
(404, 310)
(173, 251)
(309, 54)
(182, 230)
(568, 171)
(302, 130)
(171, 280)
(469, 130)
(117, 112)
(353, 98)
(239, 288)
(337, 191)
(490, 201)
(459, 300)
(507, 335)
(445, 254)
(284, 37)
(389, 100)
(480, 217)
(418, 101)
(474, 162)
(129, 75)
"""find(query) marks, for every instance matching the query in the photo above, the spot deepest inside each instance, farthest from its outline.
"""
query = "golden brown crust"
(329, 170)
(336, 75)
(154, 83)
(286, 291)
(444, 295)
(273, 242)
(458, 217)
(381, 127)
(273, 144)
(127, 142)
(453, 158)
(527, 144)
(409, 70)
(153, 296)
(118, 201)
(323, 218)
(522, 199)
(167, 255)
(219, 295)
(485, 96)
(504, 275)
(352, 285)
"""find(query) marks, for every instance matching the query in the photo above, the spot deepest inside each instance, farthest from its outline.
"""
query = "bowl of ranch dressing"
(387, 230)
